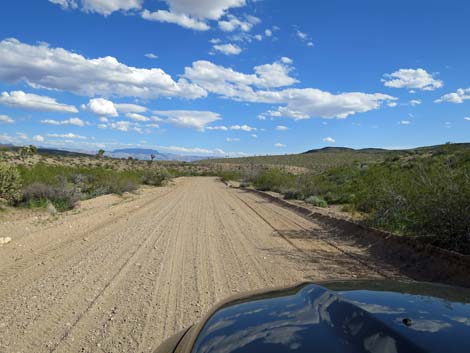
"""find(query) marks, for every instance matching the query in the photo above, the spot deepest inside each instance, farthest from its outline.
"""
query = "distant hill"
(144, 154)
(319, 160)
(347, 149)
(330, 149)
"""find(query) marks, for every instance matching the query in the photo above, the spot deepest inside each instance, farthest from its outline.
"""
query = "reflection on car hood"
(374, 317)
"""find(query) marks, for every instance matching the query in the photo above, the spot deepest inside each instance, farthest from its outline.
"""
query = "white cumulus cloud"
(192, 119)
(137, 117)
(20, 99)
(101, 106)
(296, 103)
(228, 49)
(38, 138)
(230, 83)
(217, 128)
(124, 126)
(194, 14)
(103, 7)
(286, 60)
(329, 140)
(279, 145)
(130, 108)
(412, 79)
(233, 23)
(243, 128)
(282, 128)
(204, 9)
(41, 66)
(71, 121)
(5, 119)
(68, 136)
(180, 19)
(461, 95)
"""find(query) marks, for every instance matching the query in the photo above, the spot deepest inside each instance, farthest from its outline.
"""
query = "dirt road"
(120, 275)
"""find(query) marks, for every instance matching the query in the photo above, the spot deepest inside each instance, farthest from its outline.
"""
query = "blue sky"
(234, 77)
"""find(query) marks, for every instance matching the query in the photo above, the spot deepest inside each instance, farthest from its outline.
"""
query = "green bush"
(155, 176)
(426, 196)
(274, 180)
(316, 201)
(229, 175)
(10, 183)
(54, 183)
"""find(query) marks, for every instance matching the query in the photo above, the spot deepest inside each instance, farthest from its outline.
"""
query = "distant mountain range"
(144, 154)
(137, 153)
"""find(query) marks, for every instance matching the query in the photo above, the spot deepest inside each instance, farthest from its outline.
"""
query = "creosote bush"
(274, 180)
(155, 176)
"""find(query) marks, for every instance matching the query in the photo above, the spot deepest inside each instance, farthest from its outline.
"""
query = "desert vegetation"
(422, 192)
(316, 161)
(40, 181)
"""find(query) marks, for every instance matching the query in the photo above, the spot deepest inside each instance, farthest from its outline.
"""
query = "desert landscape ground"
(144, 266)
(101, 254)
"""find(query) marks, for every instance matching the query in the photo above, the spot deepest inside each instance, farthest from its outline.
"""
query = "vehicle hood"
(378, 316)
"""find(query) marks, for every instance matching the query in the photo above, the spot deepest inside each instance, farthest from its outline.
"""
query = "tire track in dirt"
(154, 266)
(52, 248)
(110, 250)
(129, 261)
(314, 231)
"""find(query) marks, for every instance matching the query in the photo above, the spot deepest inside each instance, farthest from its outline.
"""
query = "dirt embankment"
(121, 275)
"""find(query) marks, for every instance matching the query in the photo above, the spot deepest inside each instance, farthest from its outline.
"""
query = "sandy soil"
(122, 274)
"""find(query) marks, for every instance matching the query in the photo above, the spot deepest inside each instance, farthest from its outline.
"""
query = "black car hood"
(374, 317)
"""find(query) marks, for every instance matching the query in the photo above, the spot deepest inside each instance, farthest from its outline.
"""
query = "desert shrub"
(229, 175)
(426, 197)
(10, 183)
(293, 194)
(155, 176)
(274, 180)
(316, 201)
(102, 182)
(114, 186)
(84, 181)
(39, 194)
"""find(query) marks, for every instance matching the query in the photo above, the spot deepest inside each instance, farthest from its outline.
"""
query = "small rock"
(5, 240)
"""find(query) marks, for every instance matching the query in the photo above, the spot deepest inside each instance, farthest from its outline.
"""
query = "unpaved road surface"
(121, 275)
